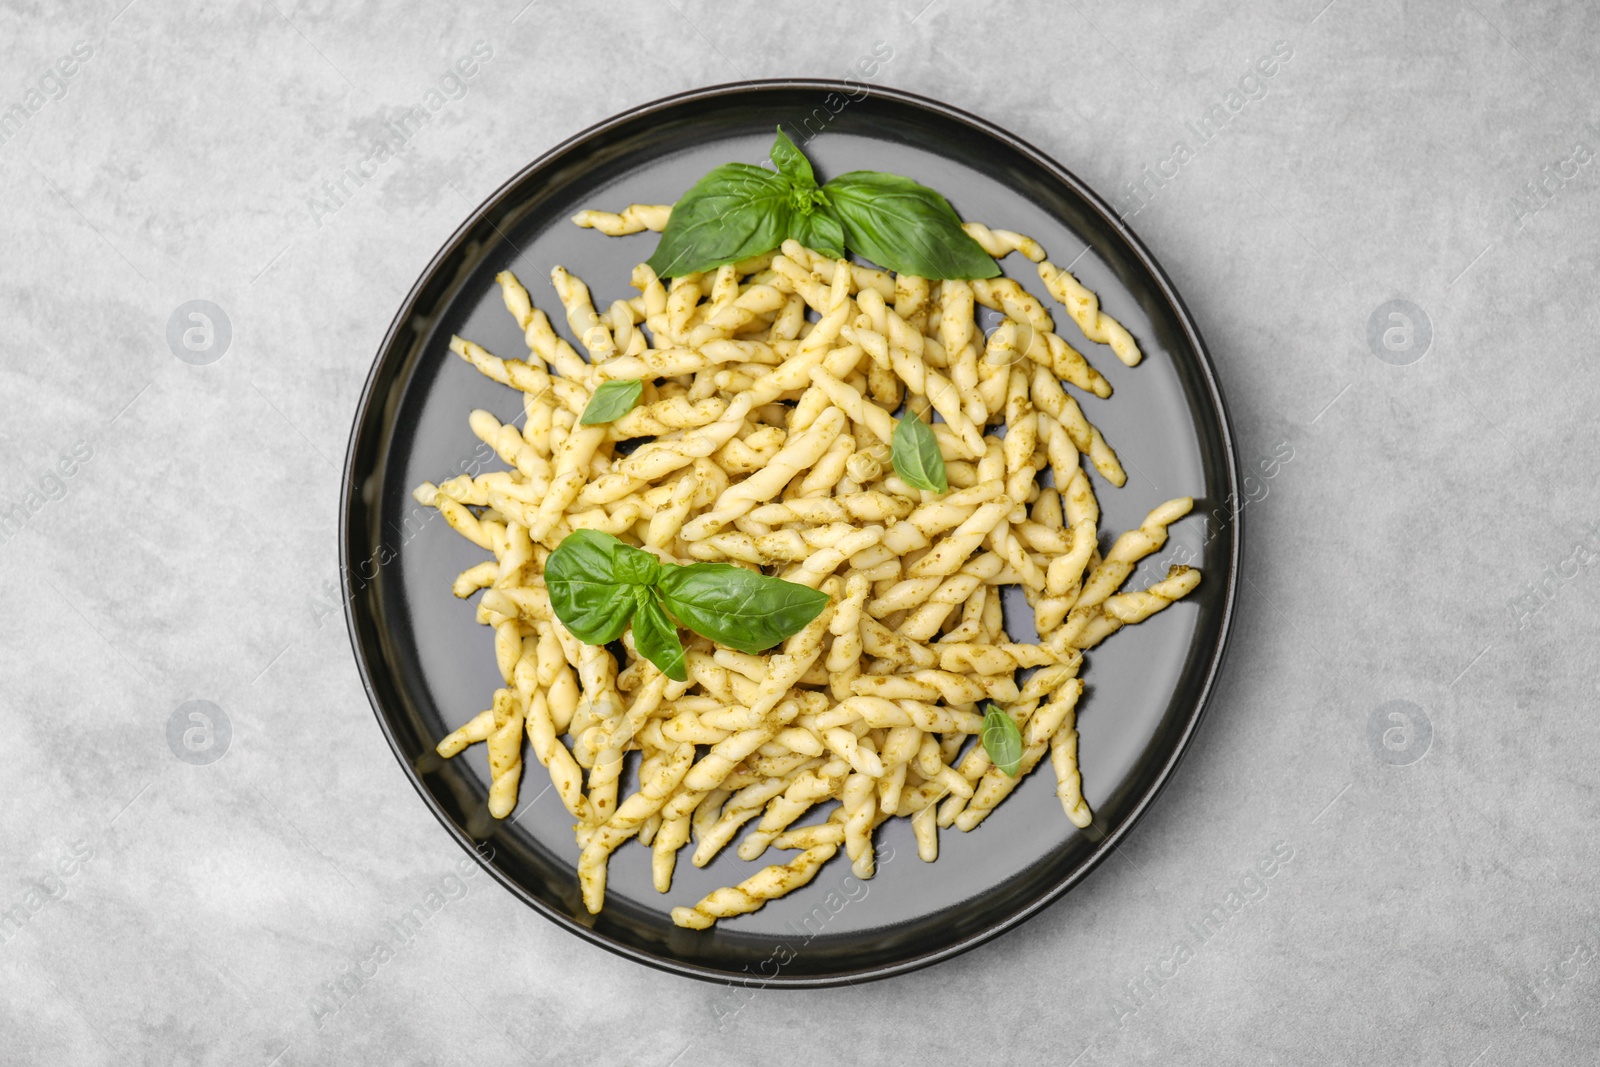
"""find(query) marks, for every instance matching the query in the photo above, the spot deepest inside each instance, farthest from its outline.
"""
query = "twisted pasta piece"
(844, 653)
(859, 802)
(667, 415)
(715, 766)
(478, 728)
(860, 278)
(526, 377)
(794, 457)
(743, 806)
(1069, 783)
(581, 315)
(672, 836)
(1138, 606)
(995, 786)
(925, 825)
(1001, 243)
(912, 368)
(1040, 726)
(805, 791)
(950, 553)
(474, 578)
(1006, 295)
(994, 658)
(1088, 626)
(854, 751)
(626, 821)
(1013, 340)
(632, 219)
(750, 894)
(1084, 436)
(570, 476)
(899, 747)
(1130, 548)
(1064, 576)
(504, 755)
(848, 399)
(548, 749)
(1084, 307)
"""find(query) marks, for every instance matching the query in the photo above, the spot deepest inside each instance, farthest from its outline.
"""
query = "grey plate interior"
(429, 667)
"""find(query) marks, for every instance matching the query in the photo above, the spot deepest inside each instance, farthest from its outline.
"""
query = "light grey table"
(1406, 717)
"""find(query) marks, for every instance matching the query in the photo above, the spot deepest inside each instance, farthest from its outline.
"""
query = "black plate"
(428, 667)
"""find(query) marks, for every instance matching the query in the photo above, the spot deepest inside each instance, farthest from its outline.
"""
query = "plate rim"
(1198, 705)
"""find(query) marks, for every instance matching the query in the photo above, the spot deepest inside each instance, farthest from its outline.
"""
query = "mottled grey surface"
(1423, 544)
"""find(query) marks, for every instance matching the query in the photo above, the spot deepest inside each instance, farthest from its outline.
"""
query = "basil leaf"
(655, 636)
(634, 566)
(736, 211)
(736, 607)
(584, 592)
(1002, 739)
(791, 162)
(819, 231)
(905, 227)
(611, 401)
(914, 451)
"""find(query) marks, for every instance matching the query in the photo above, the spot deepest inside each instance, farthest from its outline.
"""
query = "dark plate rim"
(1235, 516)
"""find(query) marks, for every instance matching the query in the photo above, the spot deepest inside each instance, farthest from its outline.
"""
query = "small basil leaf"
(736, 607)
(611, 401)
(656, 637)
(819, 231)
(914, 451)
(791, 162)
(584, 591)
(905, 227)
(737, 211)
(634, 566)
(1002, 739)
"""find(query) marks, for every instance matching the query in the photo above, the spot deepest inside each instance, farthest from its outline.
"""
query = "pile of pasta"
(762, 439)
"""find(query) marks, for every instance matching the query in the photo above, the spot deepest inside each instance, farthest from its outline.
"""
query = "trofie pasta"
(751, 424)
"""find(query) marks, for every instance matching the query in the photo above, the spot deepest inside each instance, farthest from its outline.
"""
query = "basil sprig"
(1002, 739)
(611, 401)
(598, 584)
(739, 210)
(914, 451)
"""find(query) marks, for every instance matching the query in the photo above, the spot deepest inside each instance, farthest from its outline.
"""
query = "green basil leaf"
(1002, 739)
(656, 637)
(737, 211)
(914, 451)
(791, 162)
(634, 566)
(905, 227)
(611, 401)
(736, 607)
(819, 231)
(584, 591)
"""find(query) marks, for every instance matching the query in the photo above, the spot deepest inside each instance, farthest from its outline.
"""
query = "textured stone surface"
(1437, 908)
